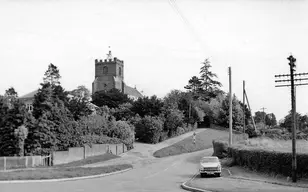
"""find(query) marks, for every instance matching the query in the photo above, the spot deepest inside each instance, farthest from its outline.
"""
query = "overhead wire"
(185, 21)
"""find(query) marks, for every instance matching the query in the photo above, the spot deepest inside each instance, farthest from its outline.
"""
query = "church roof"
(132, 91)
(29, 95)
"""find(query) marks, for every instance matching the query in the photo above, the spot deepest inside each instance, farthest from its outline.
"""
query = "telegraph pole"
(293, 101)
(243, 106)
(263, 117)
(230, 108)
(253, 121)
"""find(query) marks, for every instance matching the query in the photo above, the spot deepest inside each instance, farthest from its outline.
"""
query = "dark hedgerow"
(269, 161)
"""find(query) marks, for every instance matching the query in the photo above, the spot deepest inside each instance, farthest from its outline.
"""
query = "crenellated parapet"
(109, 61)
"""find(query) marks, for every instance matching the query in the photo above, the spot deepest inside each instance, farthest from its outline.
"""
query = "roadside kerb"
(65, 179)
(188, 188)
(270, 182)
(266, 181)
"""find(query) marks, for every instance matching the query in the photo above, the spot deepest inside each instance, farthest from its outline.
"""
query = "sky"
(161, 42)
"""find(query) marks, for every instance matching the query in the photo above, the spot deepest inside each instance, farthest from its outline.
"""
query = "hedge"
(268, 161)
(220, 148)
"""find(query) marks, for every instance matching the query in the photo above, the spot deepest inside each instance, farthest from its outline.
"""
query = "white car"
(210, 165)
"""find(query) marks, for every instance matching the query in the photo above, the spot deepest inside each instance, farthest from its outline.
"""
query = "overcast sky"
(162, 44)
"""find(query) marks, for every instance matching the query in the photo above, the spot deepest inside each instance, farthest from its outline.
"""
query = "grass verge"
(61, 172)
(203, 141)
(245, 172)
(275, 144)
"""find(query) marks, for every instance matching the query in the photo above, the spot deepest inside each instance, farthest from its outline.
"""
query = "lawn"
(61, 172)
(203, 141)
(89, 160)
(275, 144)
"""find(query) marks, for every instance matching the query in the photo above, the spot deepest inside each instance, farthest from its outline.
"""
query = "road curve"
(150, 175)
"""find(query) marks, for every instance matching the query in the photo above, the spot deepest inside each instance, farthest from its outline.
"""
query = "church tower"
(109, 74)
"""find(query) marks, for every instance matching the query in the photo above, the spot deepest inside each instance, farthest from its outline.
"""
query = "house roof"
(132, 91)
(29, 95)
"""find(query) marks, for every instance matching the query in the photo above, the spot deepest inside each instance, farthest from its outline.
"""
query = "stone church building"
(109, 73)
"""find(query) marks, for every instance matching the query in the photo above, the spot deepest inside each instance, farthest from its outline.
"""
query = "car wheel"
(218, 174)
(201, 175)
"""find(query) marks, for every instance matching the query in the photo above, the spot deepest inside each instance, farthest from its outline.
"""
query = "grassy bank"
(61, 172)
(203, 141)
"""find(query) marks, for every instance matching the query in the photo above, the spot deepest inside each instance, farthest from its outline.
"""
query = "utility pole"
(253, 121)
(293, 101)
(230, 108)
(244, 107)
(263, 117)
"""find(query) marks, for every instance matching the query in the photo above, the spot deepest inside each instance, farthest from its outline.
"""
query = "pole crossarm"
(290, 85)
(288, 75)
(285, 80)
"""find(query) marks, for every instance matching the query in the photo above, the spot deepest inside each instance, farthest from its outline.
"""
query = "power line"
(293, 104)
(185, 21)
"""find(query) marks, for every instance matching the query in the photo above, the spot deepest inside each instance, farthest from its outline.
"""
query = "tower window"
(120, 71)
(105, 69)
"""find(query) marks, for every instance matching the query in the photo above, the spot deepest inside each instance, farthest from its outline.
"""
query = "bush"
(125, 132)
(123, 112)
(100, 139)
(180, 131)
(149, 129)
(251, 131)
(220, 148)
(163, 136)
(173, 119)
(268, 161)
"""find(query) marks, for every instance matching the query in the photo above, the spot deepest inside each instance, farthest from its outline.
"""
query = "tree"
(53, 128)
(237, 113)
(301, 122)
(78, 105)
(150, 106)
(112, 98)
(11, 93)
(194, 85)
(21, 134)
(270, 119)
(11, 118)
(259, 116)
(247, 113)
(209, 85)
(82, 93)
(52, 75)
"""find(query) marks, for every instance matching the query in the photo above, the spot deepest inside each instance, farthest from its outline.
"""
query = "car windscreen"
(209, 160)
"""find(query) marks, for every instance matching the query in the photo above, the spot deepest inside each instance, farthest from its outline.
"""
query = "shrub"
(100, 139)
(180, 130)
(163, 136)
(268, 161)
(220, 148)
(123, 112)
(125, 132)
(149, 129)
(251, 131)
(173, 120)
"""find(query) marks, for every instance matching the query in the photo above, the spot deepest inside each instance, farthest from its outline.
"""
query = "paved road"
(149, 175)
